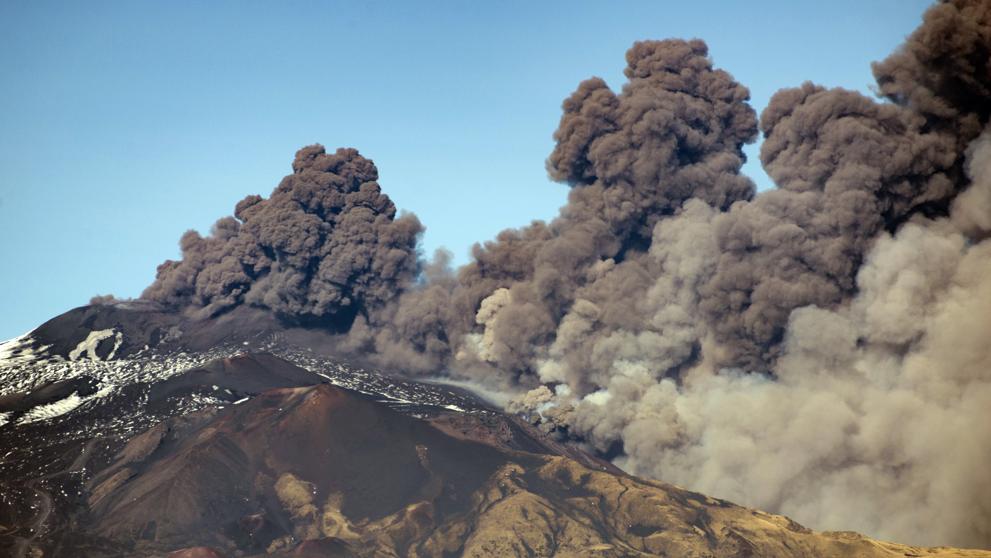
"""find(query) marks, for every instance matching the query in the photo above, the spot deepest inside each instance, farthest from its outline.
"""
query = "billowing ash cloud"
(815, 350)
(819, 349)
(876, 418)
(943, 71)
(323, 248)
(674, 133)
(846, 168)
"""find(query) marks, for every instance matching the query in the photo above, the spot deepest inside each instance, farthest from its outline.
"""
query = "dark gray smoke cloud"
(943, 71)
(818, 349)
(846, 168)
(323, 248)
(813, 350)
(675, 132)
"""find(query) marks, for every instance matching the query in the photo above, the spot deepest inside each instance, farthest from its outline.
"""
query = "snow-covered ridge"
(21, 375)
(20, 350)
(25, 349)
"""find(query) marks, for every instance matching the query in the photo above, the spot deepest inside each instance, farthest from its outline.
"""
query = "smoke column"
(818, 350)
(323, 248)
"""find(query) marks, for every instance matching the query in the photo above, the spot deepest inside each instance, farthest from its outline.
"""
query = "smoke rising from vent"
(326, 246)
(818, 350)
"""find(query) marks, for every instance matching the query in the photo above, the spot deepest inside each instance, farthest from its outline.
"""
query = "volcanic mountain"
(127, 431)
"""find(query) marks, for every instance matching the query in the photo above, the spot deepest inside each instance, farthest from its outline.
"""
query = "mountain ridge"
(266, 450)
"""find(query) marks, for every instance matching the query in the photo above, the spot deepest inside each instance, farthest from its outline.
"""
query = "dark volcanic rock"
(328, 547)
(143, 325)
(196, 552)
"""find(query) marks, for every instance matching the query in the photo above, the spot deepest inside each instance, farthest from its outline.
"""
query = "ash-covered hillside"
(258, 448)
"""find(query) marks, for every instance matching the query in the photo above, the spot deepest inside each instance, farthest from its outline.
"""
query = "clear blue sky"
(122, 124)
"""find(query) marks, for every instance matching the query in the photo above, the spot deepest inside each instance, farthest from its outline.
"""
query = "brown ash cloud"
(846, 168)
(325, 247)
(813, 350)
(818, 349)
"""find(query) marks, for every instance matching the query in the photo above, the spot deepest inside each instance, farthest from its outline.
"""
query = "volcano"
(128, 431)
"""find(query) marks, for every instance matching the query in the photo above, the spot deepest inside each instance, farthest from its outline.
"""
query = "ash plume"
(817, 350)
(675, 132)
(875, 418)
(943, 71)
(813, 350)
(845, 168)
(323, 248)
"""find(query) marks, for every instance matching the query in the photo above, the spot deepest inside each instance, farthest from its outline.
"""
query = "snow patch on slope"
(62, 406)
(88, 346)
(52, 410)
(149, 366)
(19, 351)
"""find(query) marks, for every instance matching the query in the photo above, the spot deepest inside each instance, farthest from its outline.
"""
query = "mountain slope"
(126, 431)
(296, 466)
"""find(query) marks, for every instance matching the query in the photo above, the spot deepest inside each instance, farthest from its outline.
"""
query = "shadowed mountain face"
(281, 465)
(250, 454)
(136, 326)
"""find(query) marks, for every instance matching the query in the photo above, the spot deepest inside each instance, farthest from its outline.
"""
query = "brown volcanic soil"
(318, 471)
(213, 472)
